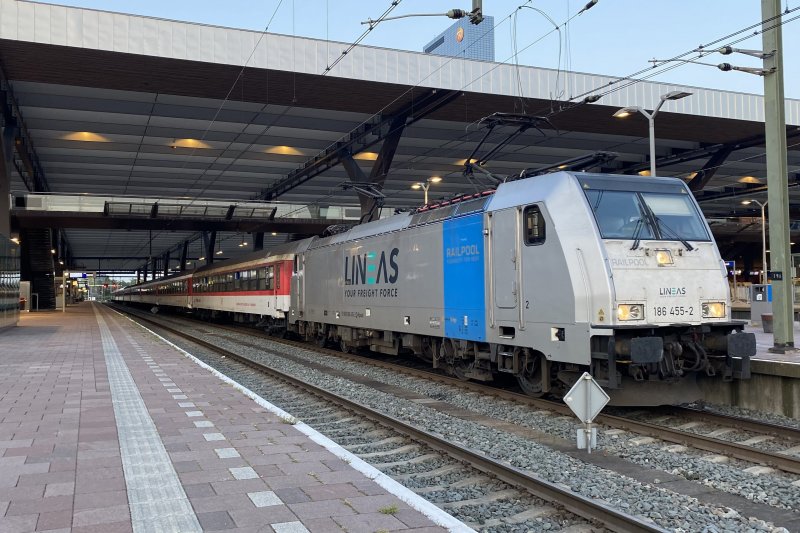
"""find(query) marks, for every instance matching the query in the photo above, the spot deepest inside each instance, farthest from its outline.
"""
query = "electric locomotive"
(543, 279)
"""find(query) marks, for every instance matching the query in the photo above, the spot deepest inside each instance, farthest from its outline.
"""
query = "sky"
(615, 37)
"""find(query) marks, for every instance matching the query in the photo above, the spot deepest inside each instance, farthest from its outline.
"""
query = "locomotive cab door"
(505, 240)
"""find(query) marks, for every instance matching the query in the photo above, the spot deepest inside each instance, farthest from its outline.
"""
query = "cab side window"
(534, 230)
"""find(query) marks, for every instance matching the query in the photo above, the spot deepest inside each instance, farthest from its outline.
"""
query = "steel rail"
(745, 424)
(582, 506)
(783, 462)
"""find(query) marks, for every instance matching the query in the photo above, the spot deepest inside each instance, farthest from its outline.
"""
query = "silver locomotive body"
(546, 278)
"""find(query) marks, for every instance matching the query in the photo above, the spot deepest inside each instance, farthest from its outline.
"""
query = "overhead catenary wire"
(525, 48)
(363, 36)
(222, 104)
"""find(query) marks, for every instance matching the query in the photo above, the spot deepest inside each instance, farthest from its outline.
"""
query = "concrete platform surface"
(105, 428)
(765, 341)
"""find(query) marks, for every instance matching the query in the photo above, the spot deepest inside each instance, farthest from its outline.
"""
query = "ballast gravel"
(623, 493)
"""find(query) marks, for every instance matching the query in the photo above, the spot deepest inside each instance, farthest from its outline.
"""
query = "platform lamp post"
(425, 185)
(651, 117)
(763, 238)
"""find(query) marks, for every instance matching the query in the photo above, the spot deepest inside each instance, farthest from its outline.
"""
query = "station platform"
(106, 428)
(765, 341)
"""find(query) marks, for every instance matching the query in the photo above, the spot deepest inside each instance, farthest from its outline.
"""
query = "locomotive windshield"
(636, 215)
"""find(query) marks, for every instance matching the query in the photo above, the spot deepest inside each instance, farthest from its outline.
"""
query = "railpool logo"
(371, 268)
(463, 251)
(672, 291)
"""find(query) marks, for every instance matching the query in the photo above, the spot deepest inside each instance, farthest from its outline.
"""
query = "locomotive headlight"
(663, 257)
(630, 312)
(713, 309)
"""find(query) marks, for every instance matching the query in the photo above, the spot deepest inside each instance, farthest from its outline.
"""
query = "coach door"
(298, 286)
(504, 254)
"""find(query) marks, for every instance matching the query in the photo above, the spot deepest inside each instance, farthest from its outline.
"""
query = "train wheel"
(429, 348)
(344, 347)
(461, 369)
(530, 379)
(456, 366)
(322, 337)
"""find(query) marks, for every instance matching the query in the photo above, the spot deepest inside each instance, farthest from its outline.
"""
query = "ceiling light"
(85, 136)
(189, 143)
(416, 186)
(274, 233)
(15, 240)
(749, 179)
(366, 156)
(747, 202)
(461, 162)
(201, 258)
(283, 150)
(219, 252)
(644, 172)
(52, 250)
(435, 179)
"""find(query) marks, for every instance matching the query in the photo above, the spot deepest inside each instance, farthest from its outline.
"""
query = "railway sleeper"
(415, 461)
(384, 442)
(507, 494)
(471, 481)
(439, 472)
(525, 516)
(403, 449)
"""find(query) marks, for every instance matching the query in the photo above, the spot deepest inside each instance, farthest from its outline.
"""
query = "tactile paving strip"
(155, 495)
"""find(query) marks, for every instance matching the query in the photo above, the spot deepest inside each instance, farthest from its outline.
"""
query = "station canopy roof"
(125, 106)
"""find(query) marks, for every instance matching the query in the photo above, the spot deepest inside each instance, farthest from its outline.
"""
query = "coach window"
(270, 277)
(262, 279)
(534, 225)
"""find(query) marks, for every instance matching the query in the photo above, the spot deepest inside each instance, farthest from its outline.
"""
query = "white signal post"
(586, 399)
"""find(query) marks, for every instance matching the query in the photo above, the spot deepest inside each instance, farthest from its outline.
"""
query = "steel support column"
(777, 172)
(166, 260)
(258, 241)
(184, 254)
(209, 241)
(6, 164)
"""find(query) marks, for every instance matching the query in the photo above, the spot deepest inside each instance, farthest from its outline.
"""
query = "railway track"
(784, 440)
(418, 446)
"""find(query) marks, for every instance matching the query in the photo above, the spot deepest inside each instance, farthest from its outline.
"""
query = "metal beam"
(31, 170)
(47, 219)
(184, 254)
(364, 136)
(699, 153)
(704, 175)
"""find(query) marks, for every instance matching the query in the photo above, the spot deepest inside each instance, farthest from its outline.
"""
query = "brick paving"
(241, 467)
